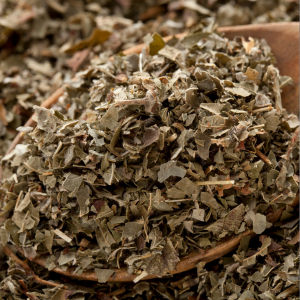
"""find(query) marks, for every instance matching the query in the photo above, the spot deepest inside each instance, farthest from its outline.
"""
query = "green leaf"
(156, 44)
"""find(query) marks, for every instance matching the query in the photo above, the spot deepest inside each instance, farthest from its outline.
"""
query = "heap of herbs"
(172, 150)
(42, 43)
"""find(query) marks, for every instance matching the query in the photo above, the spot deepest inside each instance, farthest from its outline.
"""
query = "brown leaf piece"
(170, 169)
(231, 222)
(78, 58)
(203, 142)
(97, 37)
(163, 263)
(103, 274)
(46, 120)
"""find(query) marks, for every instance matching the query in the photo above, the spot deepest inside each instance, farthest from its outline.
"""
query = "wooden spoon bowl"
(284, 40)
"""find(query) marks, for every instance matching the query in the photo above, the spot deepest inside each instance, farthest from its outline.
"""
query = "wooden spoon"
(283, 39)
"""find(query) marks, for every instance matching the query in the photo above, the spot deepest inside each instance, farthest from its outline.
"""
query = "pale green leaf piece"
(104, 274)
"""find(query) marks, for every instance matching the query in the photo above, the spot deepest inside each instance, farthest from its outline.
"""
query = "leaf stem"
(224, 182)
(29, 271)
(262, 156)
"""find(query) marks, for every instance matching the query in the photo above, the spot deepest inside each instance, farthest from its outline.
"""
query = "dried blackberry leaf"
(155, 43)
(104, 274)
(97, 37)
(231, 222)
(259, 223)
(163, 263)
(170, 169)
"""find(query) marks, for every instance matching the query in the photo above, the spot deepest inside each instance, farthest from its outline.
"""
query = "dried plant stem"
(262, 156)
(224, 182)
(257, 126)
(276, 198)
(117, 292)
(292, 143)
(28, 270)
(180, 200)
(289, 291)
(20, 262)
(141, 101)
(262, 109)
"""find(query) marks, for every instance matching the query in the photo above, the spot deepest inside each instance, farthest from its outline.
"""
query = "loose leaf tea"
(191, 146)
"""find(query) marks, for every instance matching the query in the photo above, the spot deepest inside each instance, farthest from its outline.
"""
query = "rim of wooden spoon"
(225, 245)
(186, 263)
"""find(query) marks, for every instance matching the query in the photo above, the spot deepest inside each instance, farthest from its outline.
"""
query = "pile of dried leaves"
(204, 151)
(150, 157)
